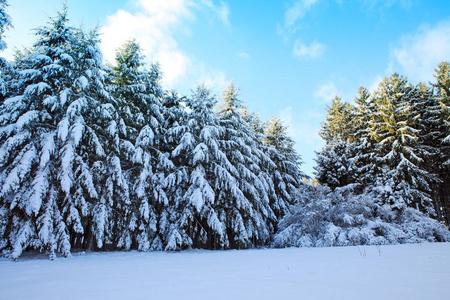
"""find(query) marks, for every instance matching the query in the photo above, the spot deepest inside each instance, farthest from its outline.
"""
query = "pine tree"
(50, 142)
(5, 23)
(337, 162)
(178, 222)
(203, 165)
(287, 175)
(441, 138)
(339, 125)
(405, 181)
(252, 217)
(5, 68)
(137, 137)
(364, 146)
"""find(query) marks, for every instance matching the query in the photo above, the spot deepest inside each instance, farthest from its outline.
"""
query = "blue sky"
(289, 58)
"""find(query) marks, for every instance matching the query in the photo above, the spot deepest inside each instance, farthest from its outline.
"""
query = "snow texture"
(418, 271)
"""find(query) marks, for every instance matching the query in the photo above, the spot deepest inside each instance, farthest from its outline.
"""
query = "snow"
(413, 271)
(82, 82)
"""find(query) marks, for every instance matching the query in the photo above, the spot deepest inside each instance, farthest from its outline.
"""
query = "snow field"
(413, 271)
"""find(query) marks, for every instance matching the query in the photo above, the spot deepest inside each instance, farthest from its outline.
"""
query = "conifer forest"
(101, 157)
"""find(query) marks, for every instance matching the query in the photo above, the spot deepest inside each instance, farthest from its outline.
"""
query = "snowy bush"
(342, 218)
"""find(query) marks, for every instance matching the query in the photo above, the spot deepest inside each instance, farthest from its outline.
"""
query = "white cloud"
(154, 27)
(375, 82)
(215, 80)
(419, 53)
(292, 18)
(296, 12)
(222, 10)
(303, 129)
(326, 92)
(243, 55)
(314, 50)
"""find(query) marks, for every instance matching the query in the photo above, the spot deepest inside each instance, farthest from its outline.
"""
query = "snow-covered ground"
(417, 271)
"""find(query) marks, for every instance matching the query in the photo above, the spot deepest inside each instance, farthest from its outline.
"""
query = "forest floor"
(414, 271)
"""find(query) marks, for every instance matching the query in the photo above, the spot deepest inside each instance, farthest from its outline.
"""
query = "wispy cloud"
(222, 10)
(292, 23)
(375, 82)
(326, 92)
(243, 55)
(154, 26)
(314, 50)
(419, 53)
(295, 13)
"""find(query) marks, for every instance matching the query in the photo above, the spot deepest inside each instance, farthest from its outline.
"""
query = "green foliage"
(339, 124)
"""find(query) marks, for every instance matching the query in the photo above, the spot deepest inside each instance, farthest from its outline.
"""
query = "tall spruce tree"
(5, 23)
(202, 161)
(364, 145)
(441, 139)
(252, 218)
(137, 138)
(5, 67)
(50, 141)
(405, 180)
(336, 162)
(286, 176)
(339, 125)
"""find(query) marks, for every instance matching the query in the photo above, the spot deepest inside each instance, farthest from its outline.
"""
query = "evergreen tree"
(364, 146)
(5, 23)
(287, 175)
(405, 181)
(138, 172)
(203, 165)
(441, 139)
(339, 125)
(225, 202)
(178, 221)
(49, 142)
(252, 218)
(336, 164)
(5, 67)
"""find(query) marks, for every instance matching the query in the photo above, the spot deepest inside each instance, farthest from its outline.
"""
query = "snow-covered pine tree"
(403, 181)
(336, 162)
(442, 138)
(49, 142)
(377, 176)
(363, 146)
(178, 221)
(137, 137)
(253, 120)
(249, 207)
(287, 176)
(199, 157)
(5, 68)
(5, 23)
(339, 124)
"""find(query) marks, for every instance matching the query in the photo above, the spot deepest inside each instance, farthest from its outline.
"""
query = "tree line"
(102, 157)
(384, 170)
